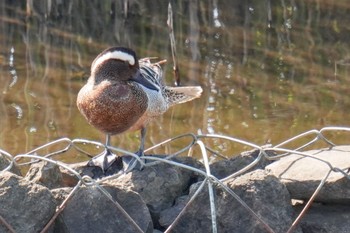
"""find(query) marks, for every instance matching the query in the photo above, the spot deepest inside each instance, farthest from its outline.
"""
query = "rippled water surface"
(269, 69)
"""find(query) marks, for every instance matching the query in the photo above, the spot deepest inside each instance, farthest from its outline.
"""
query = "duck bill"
(144, 82)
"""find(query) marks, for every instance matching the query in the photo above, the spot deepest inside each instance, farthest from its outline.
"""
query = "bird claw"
(103, 160)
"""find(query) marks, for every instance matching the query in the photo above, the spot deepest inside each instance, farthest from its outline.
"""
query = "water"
(269, 69)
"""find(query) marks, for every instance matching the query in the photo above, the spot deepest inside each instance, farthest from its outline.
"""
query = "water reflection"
(270, 69)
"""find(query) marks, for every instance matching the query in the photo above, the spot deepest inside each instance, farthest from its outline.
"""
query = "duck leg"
(105, 159)
(129, 162)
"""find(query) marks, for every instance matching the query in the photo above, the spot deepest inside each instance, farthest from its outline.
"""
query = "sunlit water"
(269, 69)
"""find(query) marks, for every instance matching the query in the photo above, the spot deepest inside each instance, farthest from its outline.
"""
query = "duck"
(124, 94)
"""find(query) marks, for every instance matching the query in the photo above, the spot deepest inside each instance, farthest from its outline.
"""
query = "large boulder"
(90, 210)
(261, 191)
(159, 185)
(25, 206)
(302, 175)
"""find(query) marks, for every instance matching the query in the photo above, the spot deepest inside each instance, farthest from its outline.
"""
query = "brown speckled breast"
(112, 107)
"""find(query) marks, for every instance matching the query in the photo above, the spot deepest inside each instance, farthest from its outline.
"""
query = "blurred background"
(269, 69)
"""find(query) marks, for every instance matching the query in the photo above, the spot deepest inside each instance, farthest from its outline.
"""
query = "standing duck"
(124, 94)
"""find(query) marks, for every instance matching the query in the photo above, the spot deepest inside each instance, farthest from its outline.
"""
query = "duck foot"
(130, 163)
(103, 160)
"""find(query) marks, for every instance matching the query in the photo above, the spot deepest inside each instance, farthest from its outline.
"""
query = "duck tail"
(179, 95)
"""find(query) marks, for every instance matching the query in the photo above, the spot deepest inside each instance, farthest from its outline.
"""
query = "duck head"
(118, 64)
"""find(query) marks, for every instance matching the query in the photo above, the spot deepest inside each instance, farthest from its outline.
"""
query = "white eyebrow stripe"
(113, 55)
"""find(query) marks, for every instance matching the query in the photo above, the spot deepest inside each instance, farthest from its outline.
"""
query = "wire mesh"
(209, 180)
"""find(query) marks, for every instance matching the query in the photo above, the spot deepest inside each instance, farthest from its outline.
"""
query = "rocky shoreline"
(276, 191)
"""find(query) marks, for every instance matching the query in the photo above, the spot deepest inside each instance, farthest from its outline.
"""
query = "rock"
(326, 219)
(260, 191)
(5, 162)
(159, 185)
(224, 168)
(26, 206)
(302, 175)
(90, 210)
(45, 173)
(68, 178)
(60, 194)
(96, 172)
(157, 231)
(168, 216)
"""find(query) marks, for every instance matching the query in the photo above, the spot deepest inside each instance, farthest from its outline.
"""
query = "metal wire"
(209, 180)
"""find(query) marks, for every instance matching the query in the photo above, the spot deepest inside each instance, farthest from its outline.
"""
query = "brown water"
(269, 69)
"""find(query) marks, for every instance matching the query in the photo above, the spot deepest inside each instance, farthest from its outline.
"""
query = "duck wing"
(152, 72)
